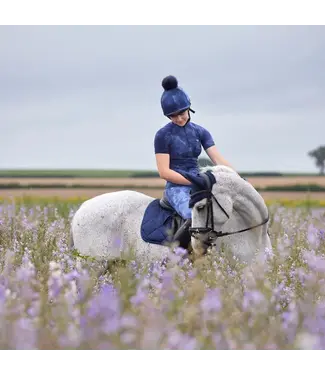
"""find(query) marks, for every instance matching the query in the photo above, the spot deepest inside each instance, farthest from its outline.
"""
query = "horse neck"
(247, 202)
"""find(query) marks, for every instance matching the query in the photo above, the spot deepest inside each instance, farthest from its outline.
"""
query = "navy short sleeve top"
(183, 144)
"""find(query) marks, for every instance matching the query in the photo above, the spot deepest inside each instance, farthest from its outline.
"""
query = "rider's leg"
(179, 196)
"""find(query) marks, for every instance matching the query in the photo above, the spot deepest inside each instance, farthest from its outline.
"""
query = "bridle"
(207, 193)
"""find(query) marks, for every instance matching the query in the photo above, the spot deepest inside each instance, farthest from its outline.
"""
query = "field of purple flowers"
(51, 298)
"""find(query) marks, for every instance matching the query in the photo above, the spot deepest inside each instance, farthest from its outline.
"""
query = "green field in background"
(102, 173)
(75, 201)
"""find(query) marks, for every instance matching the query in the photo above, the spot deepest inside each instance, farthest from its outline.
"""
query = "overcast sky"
(89, 97)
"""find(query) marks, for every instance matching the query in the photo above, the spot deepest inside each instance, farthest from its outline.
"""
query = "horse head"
(215, 197)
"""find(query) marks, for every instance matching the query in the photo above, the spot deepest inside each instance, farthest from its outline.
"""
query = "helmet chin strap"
(189, 116)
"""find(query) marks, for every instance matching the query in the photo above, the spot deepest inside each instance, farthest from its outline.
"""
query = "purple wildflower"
(315, 262)
(211, 301)
(179, 251)
(322, 234)
(177, 340)
(24, 335)
(269, 253)
(252, 298)
(313, 236)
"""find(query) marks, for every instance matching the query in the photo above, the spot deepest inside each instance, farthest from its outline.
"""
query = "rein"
(207, 229)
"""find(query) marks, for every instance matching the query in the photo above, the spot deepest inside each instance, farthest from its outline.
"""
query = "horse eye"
(200, 208)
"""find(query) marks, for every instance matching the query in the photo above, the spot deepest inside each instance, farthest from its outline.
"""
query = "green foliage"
(319, 155)
(144, 174)
(296, 187)
(67, 173)
(74, 186)
(111, 173)
(203, 162)
(287, 188)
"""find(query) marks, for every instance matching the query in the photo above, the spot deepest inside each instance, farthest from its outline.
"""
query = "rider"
(177, 147)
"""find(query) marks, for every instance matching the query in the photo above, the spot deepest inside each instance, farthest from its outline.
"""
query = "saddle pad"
(156, 223)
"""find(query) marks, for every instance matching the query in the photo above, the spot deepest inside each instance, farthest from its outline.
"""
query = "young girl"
(177, 147)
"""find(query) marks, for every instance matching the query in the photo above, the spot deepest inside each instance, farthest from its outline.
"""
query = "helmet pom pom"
(169, 83)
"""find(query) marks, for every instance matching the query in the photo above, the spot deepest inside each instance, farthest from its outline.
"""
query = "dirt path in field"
(156, 193)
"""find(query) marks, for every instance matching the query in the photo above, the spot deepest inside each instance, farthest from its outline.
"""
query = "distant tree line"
(319, 155)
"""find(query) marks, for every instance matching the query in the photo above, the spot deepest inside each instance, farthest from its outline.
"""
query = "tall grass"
(50, 298)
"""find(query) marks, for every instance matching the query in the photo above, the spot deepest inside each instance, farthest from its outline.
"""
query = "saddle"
(160, 222)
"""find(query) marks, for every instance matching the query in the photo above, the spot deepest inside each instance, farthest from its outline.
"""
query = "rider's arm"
(211, 149)
(162, 147)
(216, 157)
(168, 174)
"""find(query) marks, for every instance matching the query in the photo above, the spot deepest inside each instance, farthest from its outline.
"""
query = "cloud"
(98, 89)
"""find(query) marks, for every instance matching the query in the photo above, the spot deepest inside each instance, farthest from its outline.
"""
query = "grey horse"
(230, 213)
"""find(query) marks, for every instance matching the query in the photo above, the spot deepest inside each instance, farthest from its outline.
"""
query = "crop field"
(86, 193)
(89, 186)
(154, 182)
(52, 298)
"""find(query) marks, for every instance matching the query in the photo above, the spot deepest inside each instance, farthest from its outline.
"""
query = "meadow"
(53, 298)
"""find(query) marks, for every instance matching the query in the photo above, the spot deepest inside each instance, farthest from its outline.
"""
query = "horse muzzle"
(208, 233)
(205, 236)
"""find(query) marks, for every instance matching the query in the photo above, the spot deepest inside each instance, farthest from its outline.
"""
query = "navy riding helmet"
(173, 99)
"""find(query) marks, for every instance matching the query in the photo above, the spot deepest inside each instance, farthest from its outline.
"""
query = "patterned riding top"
(183, 144)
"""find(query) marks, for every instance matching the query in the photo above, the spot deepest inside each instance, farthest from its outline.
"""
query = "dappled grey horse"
(226, 210)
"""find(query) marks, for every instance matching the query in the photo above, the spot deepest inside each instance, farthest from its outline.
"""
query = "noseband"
(198, 195)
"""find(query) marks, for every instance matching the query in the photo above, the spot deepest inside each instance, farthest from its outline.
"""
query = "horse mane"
(217, 168)
(249, 193)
